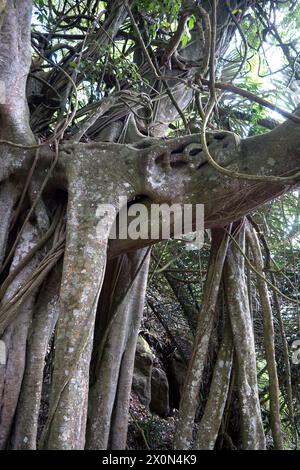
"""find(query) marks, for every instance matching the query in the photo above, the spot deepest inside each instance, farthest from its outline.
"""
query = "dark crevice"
(195, 151)
(160, 158)
(143, 144)
(179, 149)
(177, 164)
(201, 165)
(220, 136)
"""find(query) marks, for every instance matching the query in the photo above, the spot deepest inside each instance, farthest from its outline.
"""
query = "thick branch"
(15, 57)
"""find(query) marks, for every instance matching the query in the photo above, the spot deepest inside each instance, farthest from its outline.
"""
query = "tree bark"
(269, 340)
(211, 420)
(115, 352)
(46, 313)
(243, 338)
(190, 394)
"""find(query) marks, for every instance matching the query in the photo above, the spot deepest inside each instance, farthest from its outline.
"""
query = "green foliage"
(163, 14)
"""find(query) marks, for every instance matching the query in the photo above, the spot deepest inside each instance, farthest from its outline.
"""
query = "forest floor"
(147, 430)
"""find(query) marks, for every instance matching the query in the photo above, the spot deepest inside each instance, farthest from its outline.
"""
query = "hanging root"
(110, 392)
(269, 340)
(190, 395)
(243, 338)
(211, 421)
(8, 197)
(15, 336)
(44, 320)
(238, 333)
(88, 224)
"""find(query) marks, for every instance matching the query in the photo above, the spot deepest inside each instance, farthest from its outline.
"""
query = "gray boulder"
(143, 365)
(159, 392)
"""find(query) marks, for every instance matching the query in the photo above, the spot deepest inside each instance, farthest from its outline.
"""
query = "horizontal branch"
(253, 97)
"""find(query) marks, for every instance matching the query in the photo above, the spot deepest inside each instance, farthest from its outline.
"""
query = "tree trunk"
(243, 338)
(118, 325)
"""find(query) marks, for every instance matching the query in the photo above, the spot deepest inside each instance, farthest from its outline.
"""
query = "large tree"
(88, 95)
